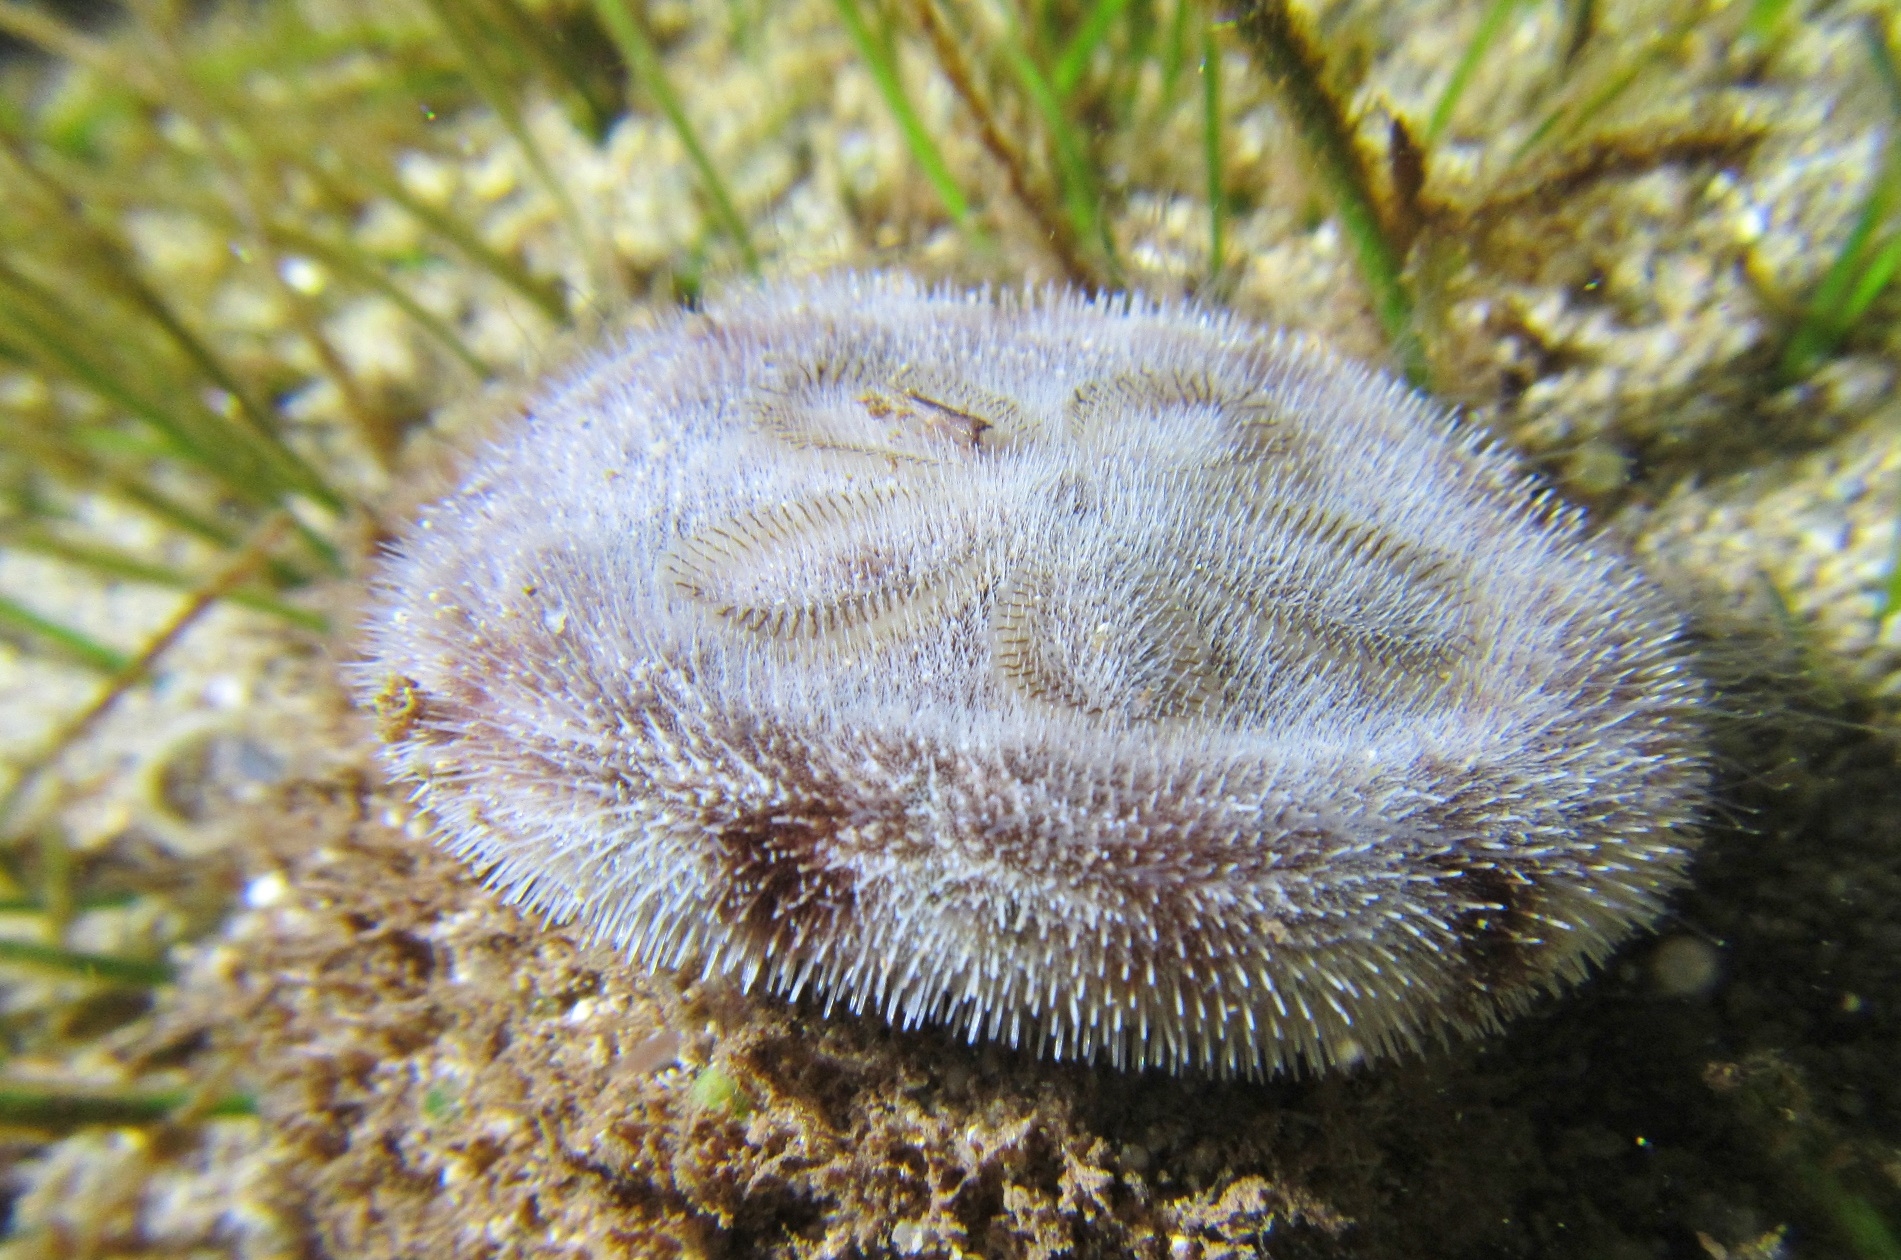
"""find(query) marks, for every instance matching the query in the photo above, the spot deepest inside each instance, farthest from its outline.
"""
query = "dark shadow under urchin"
(1628, 1117)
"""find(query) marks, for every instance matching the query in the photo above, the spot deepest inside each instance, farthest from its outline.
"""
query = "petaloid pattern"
(1117, 681)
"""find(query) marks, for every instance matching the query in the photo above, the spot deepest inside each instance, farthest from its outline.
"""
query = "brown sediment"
(440, 1077)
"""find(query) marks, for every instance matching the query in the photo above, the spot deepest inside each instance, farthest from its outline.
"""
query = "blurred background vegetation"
(201, 209)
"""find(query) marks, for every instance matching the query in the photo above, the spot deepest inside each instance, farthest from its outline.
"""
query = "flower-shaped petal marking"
(1113, 680)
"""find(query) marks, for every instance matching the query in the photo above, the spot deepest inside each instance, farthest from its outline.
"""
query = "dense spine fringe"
(1111, 680)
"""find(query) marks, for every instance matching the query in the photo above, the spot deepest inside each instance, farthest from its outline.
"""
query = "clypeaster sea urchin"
(1116, 680)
